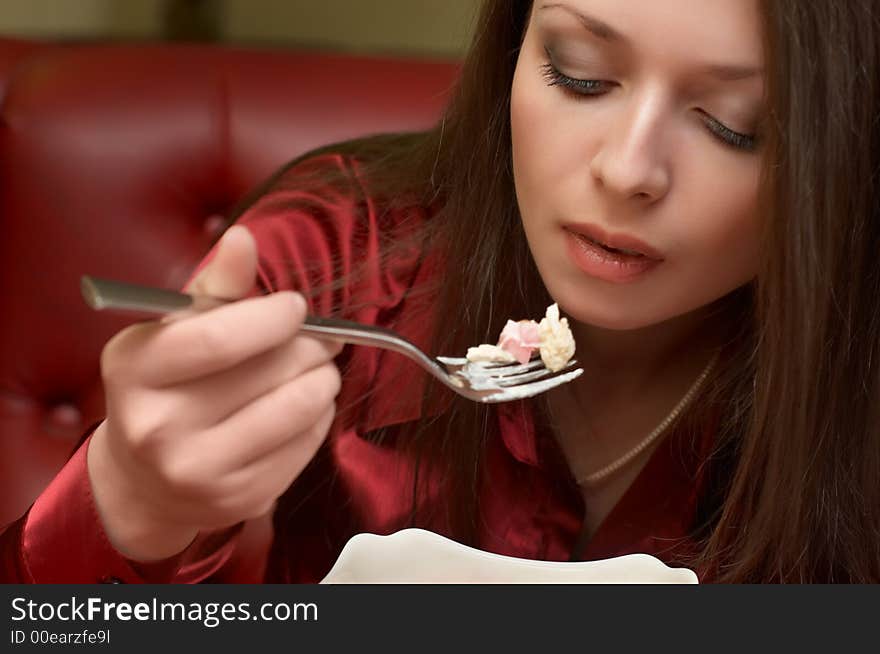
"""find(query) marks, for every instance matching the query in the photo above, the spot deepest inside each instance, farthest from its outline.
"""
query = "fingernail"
(229, 230)
(300, 300)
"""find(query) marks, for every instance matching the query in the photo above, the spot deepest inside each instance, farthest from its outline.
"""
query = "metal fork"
(480, 382)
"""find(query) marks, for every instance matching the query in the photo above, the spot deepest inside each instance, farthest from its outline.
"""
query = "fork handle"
(109, 294)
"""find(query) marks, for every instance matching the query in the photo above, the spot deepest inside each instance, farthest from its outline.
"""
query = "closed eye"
(585, 87)
(747, 142)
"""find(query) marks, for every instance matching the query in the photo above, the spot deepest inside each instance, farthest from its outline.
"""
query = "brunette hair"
(792, 491)
(802, 503)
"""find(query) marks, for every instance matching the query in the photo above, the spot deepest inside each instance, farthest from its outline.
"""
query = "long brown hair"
(803, 499)
(793, 488)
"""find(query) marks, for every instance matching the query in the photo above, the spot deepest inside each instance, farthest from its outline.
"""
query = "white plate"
(423, 557)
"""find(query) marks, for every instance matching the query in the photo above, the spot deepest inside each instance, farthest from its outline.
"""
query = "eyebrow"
(731, 73)
(598, 28)
(604, 31)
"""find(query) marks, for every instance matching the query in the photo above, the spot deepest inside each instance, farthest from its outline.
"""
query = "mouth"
(611, 262)
(621, 251)
(619, 244)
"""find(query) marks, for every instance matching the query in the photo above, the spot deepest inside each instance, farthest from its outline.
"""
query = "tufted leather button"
(66, 416)
(213, 225)
(111, 580)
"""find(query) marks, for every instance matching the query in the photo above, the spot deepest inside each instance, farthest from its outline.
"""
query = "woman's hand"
(210, 416)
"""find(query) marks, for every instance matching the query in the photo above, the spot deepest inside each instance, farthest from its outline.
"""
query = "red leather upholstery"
(119, 161)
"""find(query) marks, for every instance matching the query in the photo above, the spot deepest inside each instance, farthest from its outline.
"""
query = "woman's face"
(633, 127)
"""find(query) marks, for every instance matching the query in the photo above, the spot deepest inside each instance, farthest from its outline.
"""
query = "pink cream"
(520, 339)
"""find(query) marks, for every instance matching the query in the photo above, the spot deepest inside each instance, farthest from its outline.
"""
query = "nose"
(630, 162)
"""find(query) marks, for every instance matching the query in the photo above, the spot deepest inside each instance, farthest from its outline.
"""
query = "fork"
(481, 382)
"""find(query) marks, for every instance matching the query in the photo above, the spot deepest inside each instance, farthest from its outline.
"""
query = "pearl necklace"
(600, 475)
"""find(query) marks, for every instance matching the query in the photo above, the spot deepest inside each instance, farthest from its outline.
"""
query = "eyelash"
(587, 88)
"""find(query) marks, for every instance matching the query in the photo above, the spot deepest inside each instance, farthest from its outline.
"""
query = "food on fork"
(557, 342)
(519, 339)
(486, 353)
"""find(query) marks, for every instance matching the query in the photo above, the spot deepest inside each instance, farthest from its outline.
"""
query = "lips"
(599, 262)
(618, 243)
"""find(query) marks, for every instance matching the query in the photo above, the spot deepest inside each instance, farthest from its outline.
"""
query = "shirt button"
(213, 225)
(66, 415)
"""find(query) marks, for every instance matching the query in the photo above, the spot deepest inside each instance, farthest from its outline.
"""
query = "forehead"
(713, 30)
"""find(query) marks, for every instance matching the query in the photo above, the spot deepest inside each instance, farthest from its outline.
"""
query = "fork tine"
(495, 368)
(532, 389)
(533, 375)
(482, 377)
(452, 361)
(514, 368)
(502, 368)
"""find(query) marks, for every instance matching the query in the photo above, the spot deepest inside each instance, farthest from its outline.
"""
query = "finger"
(261, 482)
(270, 421)
(248, 491)
(160, 355)
(231, 269)
(207, 401)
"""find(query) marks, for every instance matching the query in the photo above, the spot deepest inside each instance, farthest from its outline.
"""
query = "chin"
(619, 316)
(617, 313)
(612, 320)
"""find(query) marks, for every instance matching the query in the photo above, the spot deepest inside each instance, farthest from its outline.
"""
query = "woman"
(695, 185)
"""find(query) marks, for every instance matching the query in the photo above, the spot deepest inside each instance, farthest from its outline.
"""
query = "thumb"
(231, 269)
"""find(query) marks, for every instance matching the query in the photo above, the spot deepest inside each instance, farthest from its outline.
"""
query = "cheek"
(533, 178)
(726, 247)
(553, 140)
(526, 118)
(541, 139)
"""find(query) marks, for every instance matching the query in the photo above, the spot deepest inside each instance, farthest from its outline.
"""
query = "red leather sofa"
(120, 161)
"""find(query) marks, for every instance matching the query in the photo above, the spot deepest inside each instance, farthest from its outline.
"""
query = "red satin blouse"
(308, 237)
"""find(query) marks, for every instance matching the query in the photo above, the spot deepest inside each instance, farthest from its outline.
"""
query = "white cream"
(557, 341)
(489, 354)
